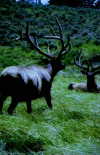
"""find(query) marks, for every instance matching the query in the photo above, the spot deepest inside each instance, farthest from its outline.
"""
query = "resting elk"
(24, 84)
(90, 68)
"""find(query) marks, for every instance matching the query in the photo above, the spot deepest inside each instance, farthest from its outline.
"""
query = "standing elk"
(90, 68)
(24, 84)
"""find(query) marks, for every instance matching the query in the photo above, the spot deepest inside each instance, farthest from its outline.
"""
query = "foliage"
(75, 3)
(7, 3)
(17, 56)
(83, 25)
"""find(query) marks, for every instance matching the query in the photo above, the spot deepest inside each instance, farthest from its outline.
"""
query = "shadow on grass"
(26, 147)
(75, 115)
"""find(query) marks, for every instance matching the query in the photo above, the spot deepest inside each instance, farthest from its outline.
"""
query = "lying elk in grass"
(32, 82)
(90, 68)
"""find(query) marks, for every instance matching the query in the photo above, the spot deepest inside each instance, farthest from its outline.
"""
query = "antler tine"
(60, 28)
(67, 47)
(63, 48)
(78, 62)
(52, 30)
(35, 45)
(54, 36)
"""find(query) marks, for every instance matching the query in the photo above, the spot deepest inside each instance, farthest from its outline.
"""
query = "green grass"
(17, 56)
(71, 128)
(90, 49)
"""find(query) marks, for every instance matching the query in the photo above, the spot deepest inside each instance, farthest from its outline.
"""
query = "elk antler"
(34, 42)
(32, 38)
(65, 48)
(78, 61)
(86, 65)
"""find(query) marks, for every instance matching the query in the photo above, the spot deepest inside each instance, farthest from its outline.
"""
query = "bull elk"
(24, 84)
(90, 68)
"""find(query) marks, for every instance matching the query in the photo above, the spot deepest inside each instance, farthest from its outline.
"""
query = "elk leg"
(29, 107)
(48, 100)
(2, 98)
(12, 106)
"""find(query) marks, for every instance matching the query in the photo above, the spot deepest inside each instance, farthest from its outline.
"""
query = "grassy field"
(71, 128)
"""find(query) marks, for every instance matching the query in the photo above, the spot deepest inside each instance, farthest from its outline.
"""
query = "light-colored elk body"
(25, 84)
(33, 74)
(32, 82)
(82, 86)
(78, 86)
